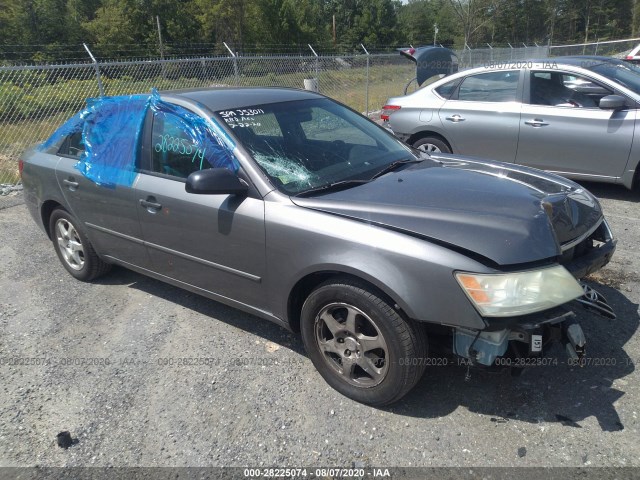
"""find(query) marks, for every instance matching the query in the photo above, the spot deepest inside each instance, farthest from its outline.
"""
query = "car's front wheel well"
(308, 284)
(45, 212)
(426, 134)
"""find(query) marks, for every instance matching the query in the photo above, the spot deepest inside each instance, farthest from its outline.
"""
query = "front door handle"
(70, 183)
(536, 122)
(150, 204)
(455, 118)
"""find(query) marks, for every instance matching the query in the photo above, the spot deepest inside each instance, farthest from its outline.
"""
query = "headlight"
(519, 293)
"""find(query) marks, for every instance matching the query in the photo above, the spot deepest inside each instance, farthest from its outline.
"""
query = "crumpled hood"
(503, 212)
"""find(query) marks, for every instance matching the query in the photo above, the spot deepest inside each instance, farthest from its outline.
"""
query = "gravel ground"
(113, 378)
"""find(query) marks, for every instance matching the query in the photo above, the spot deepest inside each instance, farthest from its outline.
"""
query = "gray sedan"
(294, 208)
(575, 116)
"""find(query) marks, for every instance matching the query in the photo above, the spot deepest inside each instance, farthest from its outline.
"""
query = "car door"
(482, 117)
(563, 130)
(213, 242)
(108, 213)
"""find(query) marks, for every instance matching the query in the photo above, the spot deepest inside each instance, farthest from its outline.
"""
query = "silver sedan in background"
(574, 116)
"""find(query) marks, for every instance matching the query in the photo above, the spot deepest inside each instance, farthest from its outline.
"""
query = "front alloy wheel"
(352, 344)
(360, 344)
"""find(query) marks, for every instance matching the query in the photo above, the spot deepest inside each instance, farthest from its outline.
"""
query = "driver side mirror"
(612, 102)
(215, 181)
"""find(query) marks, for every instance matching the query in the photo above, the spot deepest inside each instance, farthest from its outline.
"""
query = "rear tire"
(360, 344)
(74, 248)
(432, 145)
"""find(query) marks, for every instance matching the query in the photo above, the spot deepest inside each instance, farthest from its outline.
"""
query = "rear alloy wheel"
(361, 346)
(73, 247)
(432, 145)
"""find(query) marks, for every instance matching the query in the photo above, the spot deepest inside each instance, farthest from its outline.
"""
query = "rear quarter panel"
(40, 183)
(418, 113)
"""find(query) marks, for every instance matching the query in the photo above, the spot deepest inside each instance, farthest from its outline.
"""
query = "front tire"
(74, 248)
(432, 145)
(360, 344)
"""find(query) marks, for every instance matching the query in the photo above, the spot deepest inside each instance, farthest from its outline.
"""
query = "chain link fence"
(614, 48)
(477, 57)
(36, 99)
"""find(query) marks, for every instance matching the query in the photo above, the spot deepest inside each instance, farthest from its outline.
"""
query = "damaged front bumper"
(519, 341)
(510, 342)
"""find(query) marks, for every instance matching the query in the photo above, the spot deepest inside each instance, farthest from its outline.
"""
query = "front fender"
(416, 274)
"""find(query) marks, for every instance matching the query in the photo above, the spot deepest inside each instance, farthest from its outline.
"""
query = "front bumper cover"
(525, 337)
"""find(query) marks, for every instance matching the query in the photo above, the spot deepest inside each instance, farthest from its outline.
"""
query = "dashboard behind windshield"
(305, 144)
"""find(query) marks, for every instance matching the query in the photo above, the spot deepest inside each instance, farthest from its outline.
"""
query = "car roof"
(579, 60)
(582, 61)
(222, 98)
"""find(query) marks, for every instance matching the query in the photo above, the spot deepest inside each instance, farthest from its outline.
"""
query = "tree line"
(55, 29)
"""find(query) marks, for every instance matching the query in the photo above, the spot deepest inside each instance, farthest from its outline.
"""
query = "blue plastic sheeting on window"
(111, 135)
(111, 128)
(111, 132)
(211, 138)
(73, 125)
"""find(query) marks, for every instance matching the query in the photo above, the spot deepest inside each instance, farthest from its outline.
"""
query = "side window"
(72, 146)
(565, 90)
(178, 149)
(327, 127)
(447, 89)
(490, 87)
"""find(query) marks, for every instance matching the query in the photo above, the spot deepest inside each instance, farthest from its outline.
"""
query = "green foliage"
(43, 99)
(419, 17)
(45, 30)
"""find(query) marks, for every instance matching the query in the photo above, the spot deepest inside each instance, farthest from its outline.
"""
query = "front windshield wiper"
(393, 165)
(332, 186)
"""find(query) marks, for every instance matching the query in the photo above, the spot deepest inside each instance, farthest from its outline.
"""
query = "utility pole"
(334, 30)
(160, 38)
(161, 46)
(435, 33)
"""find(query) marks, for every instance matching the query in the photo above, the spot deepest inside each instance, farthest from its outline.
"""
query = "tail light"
(629, 57)
(388, 110)
(409, 53)
(20, 167)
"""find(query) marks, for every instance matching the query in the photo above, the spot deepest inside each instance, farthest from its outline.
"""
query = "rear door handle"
(536, 122)
(456, 118)
(70, 183)
(150, 204)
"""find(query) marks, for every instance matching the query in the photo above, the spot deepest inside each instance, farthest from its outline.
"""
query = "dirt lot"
(106, 364)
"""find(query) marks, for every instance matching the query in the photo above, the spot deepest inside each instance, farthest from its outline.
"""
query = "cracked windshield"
(309, 144)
